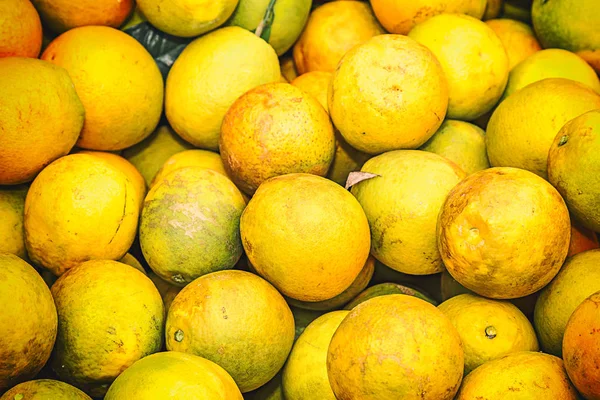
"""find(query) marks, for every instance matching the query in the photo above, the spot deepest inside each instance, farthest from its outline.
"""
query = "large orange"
(395, 347)
(306, 235)
(504, 232)
(117, 80)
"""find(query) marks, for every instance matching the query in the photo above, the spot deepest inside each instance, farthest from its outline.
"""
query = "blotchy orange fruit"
(504, 232)
(272, 130)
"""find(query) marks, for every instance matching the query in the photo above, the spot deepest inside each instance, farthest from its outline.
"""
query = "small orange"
(20, 29)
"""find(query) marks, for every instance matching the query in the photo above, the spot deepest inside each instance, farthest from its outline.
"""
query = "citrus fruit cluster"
(301, 200)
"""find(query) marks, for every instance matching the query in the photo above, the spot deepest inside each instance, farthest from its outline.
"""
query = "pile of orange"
(296, 199)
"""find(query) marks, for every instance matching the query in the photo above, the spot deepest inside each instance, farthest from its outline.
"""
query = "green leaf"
(263, 30)
(164, 48)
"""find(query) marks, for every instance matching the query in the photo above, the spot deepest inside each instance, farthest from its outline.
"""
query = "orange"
(28, 321)
(504, 233)
(187, 18)
(524, 126)
(518, 39)
(272, 130)
(402, 205)
(20, 29)
(110, 315)
(51, 121)
(305, 372)
(519, 376)
(122, 104)
(41, 389)
(578, 279)
(378, 78)
(574, 165)
(77, 209)
(306, 235)
(62, 15)
(333, 29)
(400, 16)
(189, 225)
(395, 347)
(582, 239)
(489, 329)
(235, 319)
(174, 375)
(473, 59)
(460, 142)
(551, 63)
(581, 349)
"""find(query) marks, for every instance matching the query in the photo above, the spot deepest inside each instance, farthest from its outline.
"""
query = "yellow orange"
(306, 235)
(122, 105)
(376, 79)
(331, 31)
(38, 105)
(504, 232)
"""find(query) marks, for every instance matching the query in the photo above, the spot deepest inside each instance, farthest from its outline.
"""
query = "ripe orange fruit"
(523, 127)
(499, 244)
(402, 205)
(40, 389)
(235, 319)
(79, 208)
(383, 338)
(62, 15)
(272, 130)
(400, 16)
(174, 375)
(122, 105)
(20, 29)
(306, 235)
(110, 315)
(522, 375)
(331, 31)
(388, 93)
(51, 121)
(581, 349)
(28, 321)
